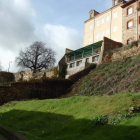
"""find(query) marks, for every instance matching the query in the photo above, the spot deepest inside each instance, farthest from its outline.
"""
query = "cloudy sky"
(58, 23)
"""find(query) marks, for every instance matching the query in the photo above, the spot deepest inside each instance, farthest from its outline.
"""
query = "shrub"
(139, 81)
(100, 120)
(120, 117)
(134, 43)
(4, 84)
(55, 72)
(63, 72)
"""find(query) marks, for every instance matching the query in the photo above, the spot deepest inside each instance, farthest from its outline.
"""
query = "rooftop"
(87, 48)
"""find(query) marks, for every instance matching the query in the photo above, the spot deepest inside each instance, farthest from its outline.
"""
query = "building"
(107, 23)
(131, 21)
(105, 31)
(79, 59)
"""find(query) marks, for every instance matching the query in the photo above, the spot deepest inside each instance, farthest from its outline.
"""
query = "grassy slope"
(116, 77)
(72, 118)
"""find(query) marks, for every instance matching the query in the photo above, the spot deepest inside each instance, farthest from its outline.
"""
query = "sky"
(58, 23)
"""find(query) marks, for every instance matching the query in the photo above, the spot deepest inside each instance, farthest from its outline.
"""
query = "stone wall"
(121, 54)
(131, 33)
(6, 77)
(109, 45)
(47, 89)
(27, 75)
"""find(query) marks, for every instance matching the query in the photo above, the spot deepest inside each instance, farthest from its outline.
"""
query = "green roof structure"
(87, 48)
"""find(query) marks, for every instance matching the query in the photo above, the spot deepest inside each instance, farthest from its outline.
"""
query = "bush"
(55, 72)
(4, 84)
(100, 120)
(120, 117)
(62, 73)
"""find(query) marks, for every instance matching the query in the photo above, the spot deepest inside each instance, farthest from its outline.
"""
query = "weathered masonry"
(131, 21)
(115, 27)
(79, 59)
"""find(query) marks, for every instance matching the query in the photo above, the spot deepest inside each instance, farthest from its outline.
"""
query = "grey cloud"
(17, 30)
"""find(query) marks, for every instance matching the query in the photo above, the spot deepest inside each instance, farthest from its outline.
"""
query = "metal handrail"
(82, 56)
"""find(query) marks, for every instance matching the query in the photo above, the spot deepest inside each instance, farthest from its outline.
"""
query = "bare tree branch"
(36, 57)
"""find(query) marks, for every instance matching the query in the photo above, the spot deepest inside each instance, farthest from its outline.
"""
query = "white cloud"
(17, 30)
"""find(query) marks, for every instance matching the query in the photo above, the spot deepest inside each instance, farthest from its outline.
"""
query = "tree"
(36, 57)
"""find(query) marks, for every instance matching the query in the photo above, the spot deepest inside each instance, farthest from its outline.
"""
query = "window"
(115, 2)
(129, 41)
(95, 58)
(107, 31)
(87, 60)
(91, 15)
(129, 24)
(91, 26)
(107, 18)
(71, 58)
(102, 21)
(72, 65)
(115, 15)
(114, 28)
(97, 23)
(102, 33)
(90, 38)
(97, 36)
(79, 62)
(129, 10)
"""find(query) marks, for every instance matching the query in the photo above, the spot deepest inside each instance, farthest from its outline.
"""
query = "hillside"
(76, 118)
(103, 112)
(111, 78)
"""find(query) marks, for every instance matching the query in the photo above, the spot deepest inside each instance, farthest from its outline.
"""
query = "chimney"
(93, 13)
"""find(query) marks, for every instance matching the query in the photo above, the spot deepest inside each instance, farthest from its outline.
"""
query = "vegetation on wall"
(55, 72)
(126, 47)
(63, 72)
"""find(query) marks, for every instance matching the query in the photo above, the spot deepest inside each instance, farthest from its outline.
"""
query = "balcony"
(80, 56)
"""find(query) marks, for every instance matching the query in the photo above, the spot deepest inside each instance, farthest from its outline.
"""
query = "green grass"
(72, 118)
(118, 77)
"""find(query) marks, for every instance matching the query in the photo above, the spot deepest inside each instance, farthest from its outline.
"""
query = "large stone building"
(105, 31)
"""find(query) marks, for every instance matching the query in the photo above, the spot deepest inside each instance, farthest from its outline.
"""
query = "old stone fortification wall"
(27, 75)
(47, 89)
(121, 54)
(6, 77)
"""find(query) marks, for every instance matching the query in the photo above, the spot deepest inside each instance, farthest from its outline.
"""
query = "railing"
(87, 53)
(70, 59)
(80, 56)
